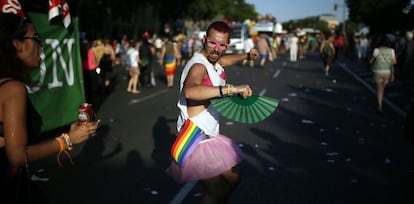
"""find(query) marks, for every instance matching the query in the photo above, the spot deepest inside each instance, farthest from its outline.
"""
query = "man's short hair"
(219, 26)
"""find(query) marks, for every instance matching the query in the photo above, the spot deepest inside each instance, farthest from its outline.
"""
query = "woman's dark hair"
(219, 26)
(12, 27)
(382, 40)
(133, 43)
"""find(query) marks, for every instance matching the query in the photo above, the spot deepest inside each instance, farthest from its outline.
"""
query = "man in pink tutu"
(214, 160)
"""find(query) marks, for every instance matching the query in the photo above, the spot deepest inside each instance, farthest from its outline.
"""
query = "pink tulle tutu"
(211, 158)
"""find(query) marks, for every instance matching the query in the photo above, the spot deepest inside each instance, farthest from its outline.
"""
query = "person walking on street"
(382, 64)
(169, 55)
(327, 52)
(20, 123)
(303, 45)
(133, 62)
(147, 57)
(275, 42)
(202, 79)
(357, 46)
(293, 44)
(264, 48)
(248, 45)
(364, 47)
(407, 65)
(106, 63)
(90, 76)
(186, 50)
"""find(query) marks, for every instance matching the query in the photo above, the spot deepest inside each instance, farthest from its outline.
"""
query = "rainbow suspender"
(186, 141)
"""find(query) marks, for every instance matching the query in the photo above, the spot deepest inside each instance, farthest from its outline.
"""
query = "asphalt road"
(324, 144)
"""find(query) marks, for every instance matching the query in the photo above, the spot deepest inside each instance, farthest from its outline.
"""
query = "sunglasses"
(35, 38)
(214, 44)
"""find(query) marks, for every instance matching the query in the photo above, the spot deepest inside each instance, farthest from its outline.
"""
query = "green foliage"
(234, 10)
(352, 27)
(239, 11)
(381, 15)
(200, 9)
(310, 22)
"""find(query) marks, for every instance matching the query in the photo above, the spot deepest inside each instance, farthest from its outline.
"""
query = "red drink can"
(86, 113)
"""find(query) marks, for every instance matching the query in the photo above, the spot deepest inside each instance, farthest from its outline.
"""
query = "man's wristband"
(221, 91)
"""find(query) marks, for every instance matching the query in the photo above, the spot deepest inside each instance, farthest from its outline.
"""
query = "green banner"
(58, 91)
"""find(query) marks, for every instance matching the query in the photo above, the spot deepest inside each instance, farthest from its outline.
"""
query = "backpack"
(327, 49)
(383, 61)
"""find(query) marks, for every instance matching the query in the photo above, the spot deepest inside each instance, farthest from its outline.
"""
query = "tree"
(310, 22)
(200, 9)
(381, 15)
(234, 10)
(106, 17)
(237, 10)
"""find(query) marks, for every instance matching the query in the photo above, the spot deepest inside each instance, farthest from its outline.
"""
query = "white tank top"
(207, 120)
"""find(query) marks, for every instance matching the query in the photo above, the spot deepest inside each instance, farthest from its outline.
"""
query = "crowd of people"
(138, 56)
(173, 52)
(297, 44)
(390, 57)
(368, 49)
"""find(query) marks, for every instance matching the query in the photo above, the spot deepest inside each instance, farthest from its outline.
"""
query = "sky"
(285, 10)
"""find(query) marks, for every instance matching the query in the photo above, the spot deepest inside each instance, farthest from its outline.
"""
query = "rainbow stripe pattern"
(170, 65)
(186, 141)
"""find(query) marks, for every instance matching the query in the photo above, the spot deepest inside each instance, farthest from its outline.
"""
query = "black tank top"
(33, 120)
(13, 180)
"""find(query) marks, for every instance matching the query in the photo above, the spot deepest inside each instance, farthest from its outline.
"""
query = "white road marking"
(133, 101)
(276, 74)
(262, 92)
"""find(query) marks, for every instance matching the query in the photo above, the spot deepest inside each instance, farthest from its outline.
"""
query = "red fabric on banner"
(66, 14)
(60, 8)
(11, 6)
(54, 8)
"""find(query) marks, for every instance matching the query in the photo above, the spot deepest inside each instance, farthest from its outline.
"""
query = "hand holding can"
(86, 113)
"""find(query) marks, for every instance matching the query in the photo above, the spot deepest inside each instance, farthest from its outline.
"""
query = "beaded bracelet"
(61, 141)
(68, 141)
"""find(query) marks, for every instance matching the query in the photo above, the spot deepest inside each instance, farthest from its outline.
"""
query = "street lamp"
(343, 15)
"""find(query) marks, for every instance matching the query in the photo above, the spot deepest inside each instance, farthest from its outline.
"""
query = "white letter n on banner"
(58, 57)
